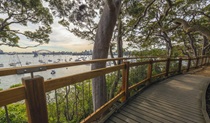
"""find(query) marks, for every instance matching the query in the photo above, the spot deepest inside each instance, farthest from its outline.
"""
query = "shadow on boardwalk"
(177, 99)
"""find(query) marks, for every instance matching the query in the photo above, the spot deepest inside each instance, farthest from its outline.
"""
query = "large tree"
(24, 12)
(152, 24)
(92, 20)
(145, 24)
(101, 46)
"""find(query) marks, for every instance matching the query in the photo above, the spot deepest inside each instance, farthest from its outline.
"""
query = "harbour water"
(9, 61)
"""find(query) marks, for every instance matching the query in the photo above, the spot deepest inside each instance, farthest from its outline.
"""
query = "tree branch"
(144, 14)
(172, 28)
(185, 53)
(202, 13)
(207, 46)
(110, 4)
(13, 22)
(29, 46)
(22, 47)
(195, 28)
(3, 23)
(192, 41)
(163, 37)
(169, 6)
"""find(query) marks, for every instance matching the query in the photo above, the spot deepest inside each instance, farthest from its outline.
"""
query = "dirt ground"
(205, 71)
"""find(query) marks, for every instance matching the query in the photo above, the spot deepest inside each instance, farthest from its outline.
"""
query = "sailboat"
(14, 60)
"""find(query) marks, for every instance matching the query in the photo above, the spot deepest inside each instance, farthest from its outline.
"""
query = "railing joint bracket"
(31, 70)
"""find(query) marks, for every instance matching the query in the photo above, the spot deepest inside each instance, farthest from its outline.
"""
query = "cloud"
(60, 40)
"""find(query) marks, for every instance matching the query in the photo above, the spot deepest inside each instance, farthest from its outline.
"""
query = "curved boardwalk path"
(174, 100)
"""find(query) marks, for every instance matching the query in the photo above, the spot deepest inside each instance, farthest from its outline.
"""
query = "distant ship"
(35, 54)
(1, 65)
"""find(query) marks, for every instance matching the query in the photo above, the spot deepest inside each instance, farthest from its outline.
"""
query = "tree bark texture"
(194, 28)
(119, 41)
(192, 44)
(205, 45)
(100, 50)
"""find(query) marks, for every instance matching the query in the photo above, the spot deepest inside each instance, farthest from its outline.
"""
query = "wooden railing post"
(180, 66)
(188, 65)
(149, 71)
(125, 84)
(202, 60)
(35, 99)
(197, 61)
(208, 60)
(205, 58)
(167, 66)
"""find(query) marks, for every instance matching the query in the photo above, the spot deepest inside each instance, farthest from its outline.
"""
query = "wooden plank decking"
(174, 100)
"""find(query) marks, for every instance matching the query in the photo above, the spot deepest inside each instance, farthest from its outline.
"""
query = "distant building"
(1, 52)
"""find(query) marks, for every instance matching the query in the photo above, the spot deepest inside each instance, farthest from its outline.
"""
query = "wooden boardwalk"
(174, 100)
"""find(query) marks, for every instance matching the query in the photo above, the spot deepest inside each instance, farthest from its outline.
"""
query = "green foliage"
(151, 52)
(24, 12)
(70, 104)
(17, 113)
(137, 74)
(135, 9)
(155, 27)
(15, 85)
(111, 78)
(66, 105)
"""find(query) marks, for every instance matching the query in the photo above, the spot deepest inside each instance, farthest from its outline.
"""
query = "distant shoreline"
(55, 53)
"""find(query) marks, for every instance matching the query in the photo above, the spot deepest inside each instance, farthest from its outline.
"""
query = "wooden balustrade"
(149, 71)
(125, 84)
(33, 89)
(36, 105)
(167, 66)
(180, 66)
(189, 64)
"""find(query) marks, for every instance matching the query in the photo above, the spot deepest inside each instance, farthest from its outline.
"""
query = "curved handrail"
(19, 93)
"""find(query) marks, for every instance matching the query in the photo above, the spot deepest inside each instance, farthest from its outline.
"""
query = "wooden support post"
(188, 65)
(202, 60)
(167, 66)
(208, 60)
(125, 84)
(35, 99)
(205, 60)
(197, 61)
(180, 66)
(149, 71)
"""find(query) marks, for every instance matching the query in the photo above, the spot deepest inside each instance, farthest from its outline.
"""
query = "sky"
(60, 40)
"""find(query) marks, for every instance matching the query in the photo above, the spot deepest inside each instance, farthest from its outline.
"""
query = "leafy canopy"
(24, 12)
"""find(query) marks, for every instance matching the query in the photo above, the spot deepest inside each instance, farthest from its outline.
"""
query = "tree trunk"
(114, 85)
(166, 38)
(120, 54)
(111, 54)
(169, 46)
(119, 40)
(100, 50)
(192, 41)
(205, 43)
(169, 49)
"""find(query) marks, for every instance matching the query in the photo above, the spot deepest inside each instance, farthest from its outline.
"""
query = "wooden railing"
(34, 88)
